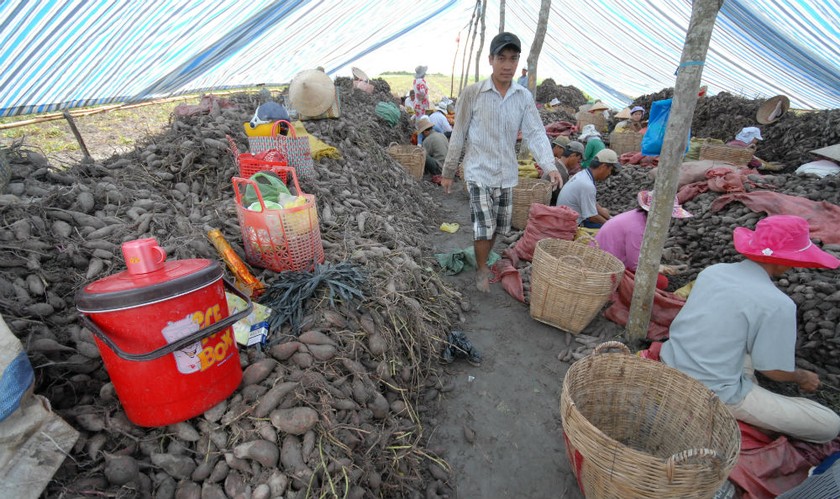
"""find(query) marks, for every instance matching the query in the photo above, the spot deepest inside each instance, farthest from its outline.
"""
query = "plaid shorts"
(491, 210)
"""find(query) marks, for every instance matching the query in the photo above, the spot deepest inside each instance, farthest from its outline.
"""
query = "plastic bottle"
(245, 280)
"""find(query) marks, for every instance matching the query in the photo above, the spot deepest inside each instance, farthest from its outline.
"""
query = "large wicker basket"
(624, 142)
(738, 156)
(586, 118)
(527, 192)
(412, 158)
(636, 428)
(570, 282)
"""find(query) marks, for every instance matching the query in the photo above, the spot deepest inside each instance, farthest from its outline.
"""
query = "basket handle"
(681, 456)
(239, 181)
(237, 191)
(277, 124)
(610, 345)
(578, 263)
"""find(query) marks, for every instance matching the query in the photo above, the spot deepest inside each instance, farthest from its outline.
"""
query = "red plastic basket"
(250, 164)
(278, 240)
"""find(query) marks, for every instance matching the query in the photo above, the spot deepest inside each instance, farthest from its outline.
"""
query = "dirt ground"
(512, 401)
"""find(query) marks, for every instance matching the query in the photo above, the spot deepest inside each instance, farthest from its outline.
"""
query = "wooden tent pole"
(690, 71)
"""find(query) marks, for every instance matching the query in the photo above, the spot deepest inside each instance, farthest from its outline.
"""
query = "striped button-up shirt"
(489, 124)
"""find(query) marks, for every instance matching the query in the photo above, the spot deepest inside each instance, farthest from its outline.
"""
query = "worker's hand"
(446, 183)
(808, 381)
(556, 180)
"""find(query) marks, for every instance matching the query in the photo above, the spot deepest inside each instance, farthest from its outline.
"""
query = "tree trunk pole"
(536, 47)
(454, 59)
(478, 53)
(468, 55)
(703, 15)
(501, 15)
(473, 23)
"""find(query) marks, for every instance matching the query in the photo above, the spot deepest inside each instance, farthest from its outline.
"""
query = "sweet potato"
(284, 351)
(294, 421)
(272, 398)
(262, 451)
(322, 352)
(258, 371)
(180, 467)
(315, 337)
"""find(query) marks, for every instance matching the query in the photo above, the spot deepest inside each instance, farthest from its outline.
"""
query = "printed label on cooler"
(186, 359)
(202, 354)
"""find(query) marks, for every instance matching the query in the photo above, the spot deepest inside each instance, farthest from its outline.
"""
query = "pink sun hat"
(783, 240)
(645, 198)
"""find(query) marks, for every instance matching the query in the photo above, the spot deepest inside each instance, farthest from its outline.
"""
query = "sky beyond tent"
(60, 54)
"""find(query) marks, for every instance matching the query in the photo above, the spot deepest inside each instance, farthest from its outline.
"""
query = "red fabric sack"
(544, 222)
(666, 306)
(511, 279)
(822, 216)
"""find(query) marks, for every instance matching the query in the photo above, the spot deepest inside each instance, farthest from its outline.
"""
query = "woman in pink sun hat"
(736, 321)
(622, 235)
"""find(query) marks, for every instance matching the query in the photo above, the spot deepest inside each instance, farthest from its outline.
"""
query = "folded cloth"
(464, 259)
(317, 147)
(822, 216)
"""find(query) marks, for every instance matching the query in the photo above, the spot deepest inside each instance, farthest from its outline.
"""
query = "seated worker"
(592, 138)
(622, 235)
(567, 156)
(748, 137)
(409, 102)
(579, 194)
(736, 321)
(436, 146)
(635, 123)
(450, 113)
(440, 122)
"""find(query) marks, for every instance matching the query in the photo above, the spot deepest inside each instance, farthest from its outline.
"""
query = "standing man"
(491, 113)
(523, 80)
(580, 193)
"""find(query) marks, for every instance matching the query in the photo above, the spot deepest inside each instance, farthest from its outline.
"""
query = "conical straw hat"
(772, 109)
(312, 92)
(624, 114)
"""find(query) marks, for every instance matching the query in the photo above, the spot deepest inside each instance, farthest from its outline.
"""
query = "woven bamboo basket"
(527, 192)
(412, 158)
(570, 282)
(586, 118)
(635, 428)
(624, 142)
(738, 156)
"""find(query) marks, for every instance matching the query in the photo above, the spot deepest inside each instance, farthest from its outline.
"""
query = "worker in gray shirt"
(580, 193)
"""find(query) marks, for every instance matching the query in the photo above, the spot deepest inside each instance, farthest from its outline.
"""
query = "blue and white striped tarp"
(616, 50)
(62, 54)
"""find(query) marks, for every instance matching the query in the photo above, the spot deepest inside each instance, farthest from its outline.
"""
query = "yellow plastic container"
(263, 130)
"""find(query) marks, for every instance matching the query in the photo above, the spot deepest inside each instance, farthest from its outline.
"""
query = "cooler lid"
(125, 290)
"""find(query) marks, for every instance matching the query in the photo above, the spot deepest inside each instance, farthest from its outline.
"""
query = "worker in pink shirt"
(622, 235)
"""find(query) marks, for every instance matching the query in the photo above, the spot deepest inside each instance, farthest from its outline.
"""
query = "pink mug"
(143, 255)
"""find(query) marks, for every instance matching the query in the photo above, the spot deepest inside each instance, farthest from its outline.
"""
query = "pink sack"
(544, 222)
(511, 279)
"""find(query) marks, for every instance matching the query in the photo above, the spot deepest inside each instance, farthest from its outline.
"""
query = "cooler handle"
(181, 343)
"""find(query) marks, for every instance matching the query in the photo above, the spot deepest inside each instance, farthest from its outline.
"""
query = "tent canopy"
(57, 54)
